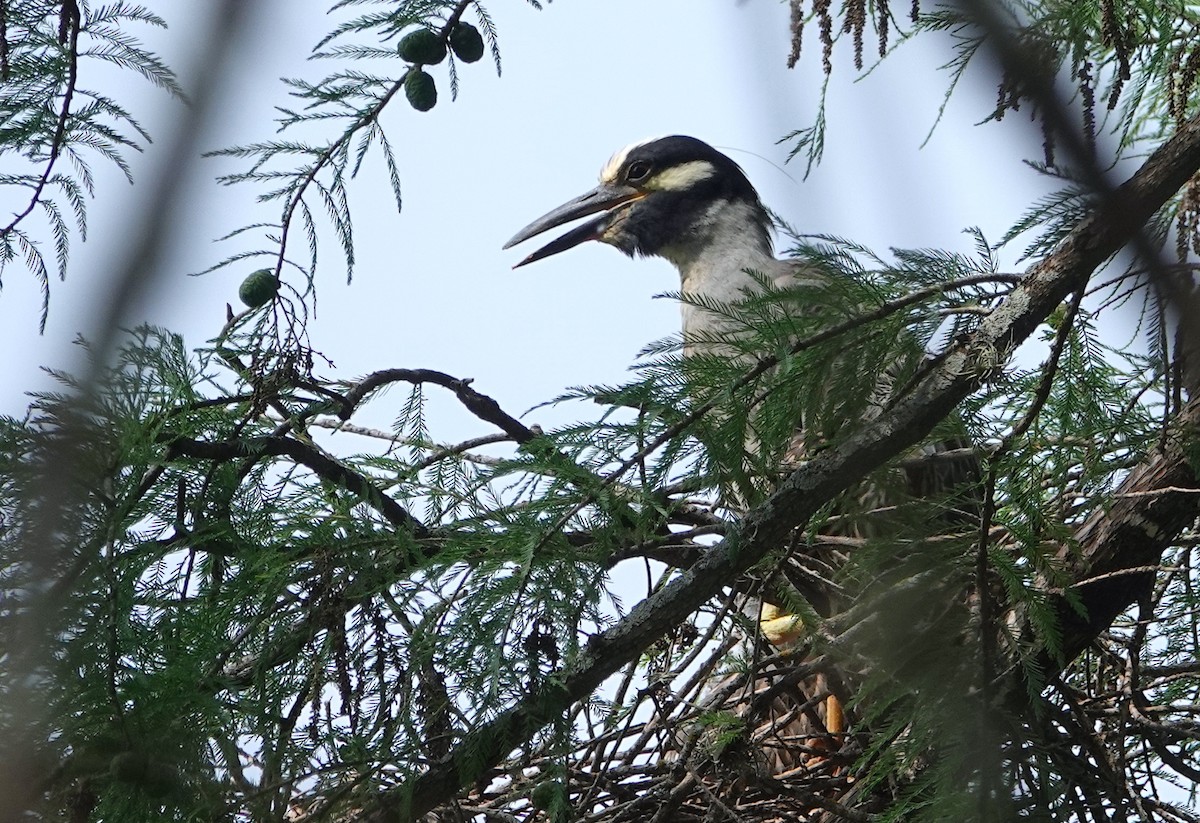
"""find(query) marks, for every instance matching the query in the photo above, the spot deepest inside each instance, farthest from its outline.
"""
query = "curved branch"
(323, 466)
(480, 405)
(489, 411)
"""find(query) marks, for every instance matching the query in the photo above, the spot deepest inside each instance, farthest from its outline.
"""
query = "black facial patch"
(669, 217)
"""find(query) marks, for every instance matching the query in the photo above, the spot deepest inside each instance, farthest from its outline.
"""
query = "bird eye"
(638, 170)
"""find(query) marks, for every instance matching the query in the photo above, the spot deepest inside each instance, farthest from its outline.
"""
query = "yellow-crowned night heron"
(680, 199)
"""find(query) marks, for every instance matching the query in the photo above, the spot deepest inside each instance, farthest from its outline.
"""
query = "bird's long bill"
(601, 198)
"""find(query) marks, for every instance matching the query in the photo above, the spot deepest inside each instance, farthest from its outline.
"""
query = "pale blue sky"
(581, 78)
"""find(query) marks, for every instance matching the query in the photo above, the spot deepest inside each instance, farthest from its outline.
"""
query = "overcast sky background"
(581, 78)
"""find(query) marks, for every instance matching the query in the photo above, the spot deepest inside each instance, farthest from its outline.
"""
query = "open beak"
(604, 197)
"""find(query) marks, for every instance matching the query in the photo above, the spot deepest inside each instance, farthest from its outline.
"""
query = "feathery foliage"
(225, 599)
(54, 123)
(307, 178)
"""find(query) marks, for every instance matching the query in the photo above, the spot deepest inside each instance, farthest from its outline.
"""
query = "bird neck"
(712, 256)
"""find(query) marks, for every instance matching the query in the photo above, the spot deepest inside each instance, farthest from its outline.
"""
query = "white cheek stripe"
(678, 178)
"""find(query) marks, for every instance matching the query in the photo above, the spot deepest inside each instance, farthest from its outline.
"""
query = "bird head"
(654, 196)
